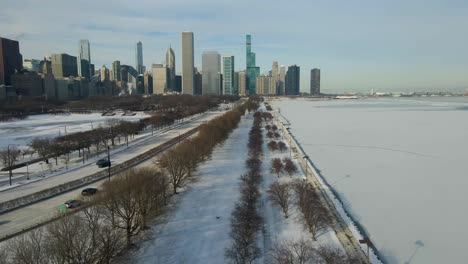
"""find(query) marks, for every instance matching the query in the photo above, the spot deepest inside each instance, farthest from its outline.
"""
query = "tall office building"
(64, 65)
(105, 74)
(242, 83)
(197, 86)
(187, 63)
(211, 69)
(252, 70)
(116, 71)
(228, 76)
(292, 80)
(282, 80)
(84, 59)
(171, 69)
(315, 81)
(275, 75)
(139, 57)
(32, 65)
(159, 78)
(11, 60)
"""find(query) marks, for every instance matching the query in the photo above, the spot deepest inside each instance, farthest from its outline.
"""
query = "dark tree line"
(246, 221)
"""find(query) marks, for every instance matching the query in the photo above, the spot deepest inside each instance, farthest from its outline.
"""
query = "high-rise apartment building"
(159, 78)
(105, 74)
(282, 80)
(211, 69)
(84, 59)
(187, 63)
(242, 83)
(64, 65)
(229, 87)
(252, 70)
(116, 70)
(292, 80)
(171, 69)
(11, 60)
(315, 81)
(265, 85)
(139, 57)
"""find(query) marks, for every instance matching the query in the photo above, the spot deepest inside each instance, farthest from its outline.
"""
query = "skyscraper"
(242, 83)
(159, 79)
(211, 69)
(292, 80)
(228, 76)
(315, 81)
(265, 85)
(282, 79)
(11, 60)
(84, 59)
(275, 75)
(64, 65)
(139, 57)
(171, 68)
(116, 70)
(252, 70)
(187, 63)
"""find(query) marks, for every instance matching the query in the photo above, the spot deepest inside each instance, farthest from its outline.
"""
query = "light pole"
(290, 147)
(27, 171)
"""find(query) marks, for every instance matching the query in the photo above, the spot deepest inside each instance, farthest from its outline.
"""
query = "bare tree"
(9, 156)
(332, 255)
(122, 204)
(273, 146)
(314, 214)
(276, 166)
(173, 163)
(293, 252)
(42, 147)
(28, 248)
(279, 194)
(289, 167)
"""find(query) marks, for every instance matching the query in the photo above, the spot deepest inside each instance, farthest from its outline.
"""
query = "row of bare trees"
(246, 221)
(277, 145)
(303, 252)
(102, 230)
(181, 161)
(286, 165)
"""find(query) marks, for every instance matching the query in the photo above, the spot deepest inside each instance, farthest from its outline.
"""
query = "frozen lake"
(400, 165)
(22, 132)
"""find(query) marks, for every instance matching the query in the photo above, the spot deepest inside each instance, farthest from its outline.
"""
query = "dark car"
(89, 191)
(103, 163)
(72, 203)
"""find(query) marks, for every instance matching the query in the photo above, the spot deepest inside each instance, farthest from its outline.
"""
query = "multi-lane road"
(17, 220)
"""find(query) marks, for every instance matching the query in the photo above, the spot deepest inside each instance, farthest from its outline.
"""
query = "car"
(89, 191)
(103, 163)
(72, 203)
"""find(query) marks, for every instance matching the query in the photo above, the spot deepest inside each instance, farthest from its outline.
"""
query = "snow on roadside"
(197, 231)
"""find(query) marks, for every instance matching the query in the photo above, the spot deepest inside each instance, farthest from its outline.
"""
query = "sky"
(398, 45)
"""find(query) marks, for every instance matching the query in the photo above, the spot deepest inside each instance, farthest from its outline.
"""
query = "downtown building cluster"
(63, 77)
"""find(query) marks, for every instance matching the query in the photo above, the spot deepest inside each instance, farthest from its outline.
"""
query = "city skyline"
(386, 46)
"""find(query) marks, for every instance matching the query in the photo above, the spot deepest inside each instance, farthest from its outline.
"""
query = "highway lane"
(121, 155)
(31, 215)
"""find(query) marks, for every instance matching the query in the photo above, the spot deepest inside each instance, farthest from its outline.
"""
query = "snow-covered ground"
(197, 229)
(22, 132)
(399, 166)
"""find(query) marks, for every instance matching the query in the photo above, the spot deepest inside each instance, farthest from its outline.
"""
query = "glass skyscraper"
(139, 57)
(228, 76)
(252, 70)
(84, 59)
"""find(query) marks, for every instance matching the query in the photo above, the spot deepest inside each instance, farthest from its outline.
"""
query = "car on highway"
(72, 203)
(89, 191)
(103, 163)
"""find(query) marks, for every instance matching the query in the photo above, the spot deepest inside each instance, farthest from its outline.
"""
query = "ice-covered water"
(22, 132)
(407, 161)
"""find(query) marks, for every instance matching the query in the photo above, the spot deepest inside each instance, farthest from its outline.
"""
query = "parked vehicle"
(72, 203)
(89, 191)
(103, 163)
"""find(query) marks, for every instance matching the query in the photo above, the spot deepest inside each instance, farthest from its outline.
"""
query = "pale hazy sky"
(398, 45)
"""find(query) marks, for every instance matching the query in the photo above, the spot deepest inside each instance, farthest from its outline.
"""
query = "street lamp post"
(10, 161)
(27, 171)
